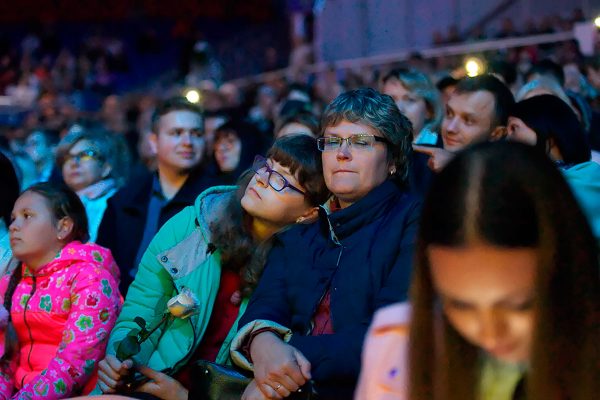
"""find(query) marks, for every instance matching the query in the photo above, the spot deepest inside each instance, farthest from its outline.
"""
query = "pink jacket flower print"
(62, 314)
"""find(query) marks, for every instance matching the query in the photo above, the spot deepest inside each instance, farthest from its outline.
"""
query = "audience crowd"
(401, 231)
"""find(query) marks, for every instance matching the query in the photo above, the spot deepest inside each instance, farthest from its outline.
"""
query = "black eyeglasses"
(359, 142)
(274, 178)
(82, 156)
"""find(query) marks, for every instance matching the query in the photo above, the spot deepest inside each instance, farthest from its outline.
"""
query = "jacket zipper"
(33, 287)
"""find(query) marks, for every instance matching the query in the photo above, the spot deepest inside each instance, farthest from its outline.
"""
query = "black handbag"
(218, 382)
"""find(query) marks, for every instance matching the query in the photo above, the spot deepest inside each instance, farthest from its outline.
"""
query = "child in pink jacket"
(63, 299)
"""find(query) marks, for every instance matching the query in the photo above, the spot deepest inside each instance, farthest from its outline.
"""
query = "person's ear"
(106, 171)
(153, 142)
(64, 228)
(309, 216)
(498, 133)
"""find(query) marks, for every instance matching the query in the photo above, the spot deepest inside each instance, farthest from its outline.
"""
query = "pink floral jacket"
(62, 314)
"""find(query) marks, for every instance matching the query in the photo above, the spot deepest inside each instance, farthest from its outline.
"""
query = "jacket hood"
(211, 204)
(586, 174)
(584, 180)
(77, 252)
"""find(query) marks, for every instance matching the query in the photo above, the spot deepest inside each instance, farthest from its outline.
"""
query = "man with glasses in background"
(136, 212)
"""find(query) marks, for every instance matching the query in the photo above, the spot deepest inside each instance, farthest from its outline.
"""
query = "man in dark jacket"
(135, 213)
(322, 282)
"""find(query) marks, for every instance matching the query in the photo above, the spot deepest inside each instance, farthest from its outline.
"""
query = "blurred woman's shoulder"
(385, 355)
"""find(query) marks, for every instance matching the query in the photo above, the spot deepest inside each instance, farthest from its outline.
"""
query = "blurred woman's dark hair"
(553, 120)
(509, 195)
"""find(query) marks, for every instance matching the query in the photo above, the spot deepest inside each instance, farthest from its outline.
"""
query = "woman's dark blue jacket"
(363, 254)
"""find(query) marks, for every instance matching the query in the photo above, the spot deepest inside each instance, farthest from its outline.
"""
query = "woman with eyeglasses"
(322, 282)
(94, 164)
(215, 249)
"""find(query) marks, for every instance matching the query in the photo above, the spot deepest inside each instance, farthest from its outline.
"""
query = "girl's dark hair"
(63, 202)
(510, 195)
(552, 119)
(10, 188)
(239, 251)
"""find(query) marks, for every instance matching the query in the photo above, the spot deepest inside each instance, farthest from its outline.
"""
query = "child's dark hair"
(62, 202)
(239, 251)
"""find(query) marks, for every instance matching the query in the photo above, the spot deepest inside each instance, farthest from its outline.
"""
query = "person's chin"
(188, 164)
(248, 202)
(343, 189)
(452, 144)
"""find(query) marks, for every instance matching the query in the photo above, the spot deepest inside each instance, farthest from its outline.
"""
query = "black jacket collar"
(350, 219)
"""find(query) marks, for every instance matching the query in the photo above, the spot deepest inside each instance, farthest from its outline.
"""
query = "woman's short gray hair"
(111, 147)
(378, 111)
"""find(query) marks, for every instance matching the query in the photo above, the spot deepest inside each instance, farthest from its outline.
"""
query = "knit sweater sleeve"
(94, 306)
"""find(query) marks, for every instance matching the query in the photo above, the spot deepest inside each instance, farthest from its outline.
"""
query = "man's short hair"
(503, 98)
(174, 104)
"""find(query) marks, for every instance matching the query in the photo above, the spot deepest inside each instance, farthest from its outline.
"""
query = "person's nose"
(72, 161)
(262, 178)
(186, 138)
(452, 125)
(343, 152)
(491, 328)
(401, 106)
(14, 226)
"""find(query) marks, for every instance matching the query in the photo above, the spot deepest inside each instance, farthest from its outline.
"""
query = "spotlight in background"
(597, 21)
(474, 66)
(193, 96)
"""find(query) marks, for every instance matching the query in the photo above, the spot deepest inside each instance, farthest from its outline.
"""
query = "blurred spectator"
(446, 86)
(94, 164)
(236, 145)
(417, 99)
(547, 123)
(40, 145)
(303, 122)
(263, 112)
(203, 65)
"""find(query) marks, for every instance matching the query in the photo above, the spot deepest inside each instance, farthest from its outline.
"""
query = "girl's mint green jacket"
(178, 256)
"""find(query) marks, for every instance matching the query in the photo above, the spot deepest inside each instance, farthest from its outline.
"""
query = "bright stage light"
(193, 96)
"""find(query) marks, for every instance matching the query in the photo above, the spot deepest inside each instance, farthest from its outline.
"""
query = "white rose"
(183, 305)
